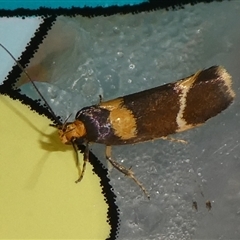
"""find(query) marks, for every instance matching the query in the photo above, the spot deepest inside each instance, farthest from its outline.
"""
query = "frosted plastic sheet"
(124, 54)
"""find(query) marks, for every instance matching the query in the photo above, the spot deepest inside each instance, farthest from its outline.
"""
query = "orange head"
(71, 131)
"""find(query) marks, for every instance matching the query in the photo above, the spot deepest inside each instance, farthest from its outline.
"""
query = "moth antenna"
(67, 119)
(86, 153)
(34, 85)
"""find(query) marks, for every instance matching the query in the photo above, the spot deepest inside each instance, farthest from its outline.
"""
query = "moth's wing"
(38, 196)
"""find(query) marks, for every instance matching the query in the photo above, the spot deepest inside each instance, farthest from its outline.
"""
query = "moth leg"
(100, 99)
(174, 140)
(76, 153)
(127, 171)
(85, 160)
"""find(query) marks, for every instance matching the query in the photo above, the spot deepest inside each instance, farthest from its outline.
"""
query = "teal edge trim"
(12, 5)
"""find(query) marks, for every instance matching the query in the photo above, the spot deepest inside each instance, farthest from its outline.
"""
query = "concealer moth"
(147, 115)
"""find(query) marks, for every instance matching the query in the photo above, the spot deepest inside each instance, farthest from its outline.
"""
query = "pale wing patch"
(183, 87)
(222, 72)
(123, 123)
(122, 120)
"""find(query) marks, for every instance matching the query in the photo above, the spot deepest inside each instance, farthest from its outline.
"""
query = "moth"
(147, 115)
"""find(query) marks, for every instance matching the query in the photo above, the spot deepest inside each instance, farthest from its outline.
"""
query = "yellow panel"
(38, 196)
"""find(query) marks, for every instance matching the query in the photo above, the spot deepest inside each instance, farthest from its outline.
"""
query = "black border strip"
(151, 5)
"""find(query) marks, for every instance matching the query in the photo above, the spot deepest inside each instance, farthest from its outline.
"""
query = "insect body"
(154, 113)
(147, 115)
(151, 114)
